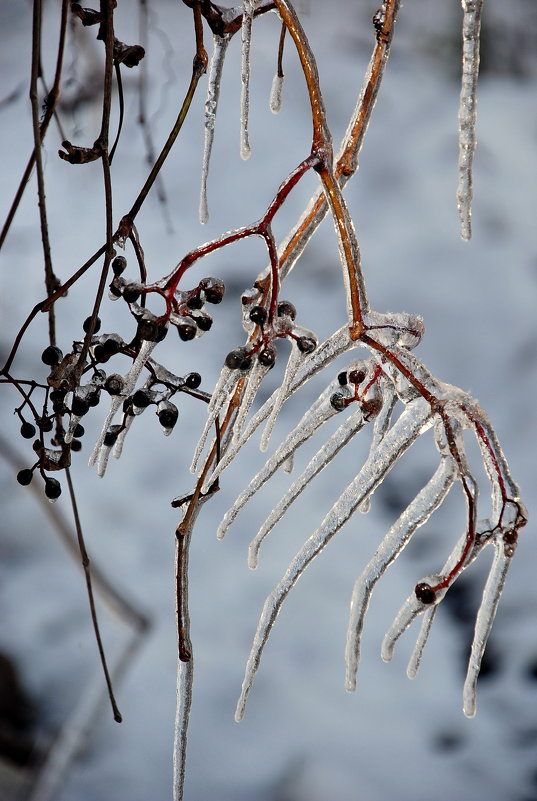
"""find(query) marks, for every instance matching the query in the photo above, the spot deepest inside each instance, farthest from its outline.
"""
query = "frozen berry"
(187, 331)
(79, 430)
(193, 380)
(94, 398)
(267, 356)
(76, 445)
(53, 488)
(79, 406)
(131, 293)
(338, 401)
(286, 309)
(24, 477)
(119, 264)
(356, 376)
(203, 321)
(114, 384)
(168, 414)
(342, 378)
(238, 360)
(110, 346)
(111, 436)
(195, 302)
(425, 593)
(27, 430)
(51, 356)
(213, 289)
(306, 344)
(258, 315)
(141, 399)
(45, 424)
(86, 325)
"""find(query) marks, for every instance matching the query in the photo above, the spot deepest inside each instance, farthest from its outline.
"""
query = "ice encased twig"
(275, 99)
(471, 25)
(246, 41)
(322, 458)
(415, 515)
(312, 420)
(411, 424)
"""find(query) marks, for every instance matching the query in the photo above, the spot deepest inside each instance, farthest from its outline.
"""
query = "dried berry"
(193, 380)
(119, 264)
(306, 344)
(267, 356)
(258, 315)
(51, 356)
(286, 309)
(24, 477)
(27, 430)
(53, 488)
(425, 593)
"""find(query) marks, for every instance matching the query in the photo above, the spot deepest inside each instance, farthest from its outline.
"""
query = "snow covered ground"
(303, 736)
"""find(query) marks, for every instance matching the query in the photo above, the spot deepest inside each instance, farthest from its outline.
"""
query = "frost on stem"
(471, 25)
(220, 44)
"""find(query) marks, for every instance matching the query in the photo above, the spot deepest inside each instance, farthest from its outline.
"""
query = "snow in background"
(303, 737)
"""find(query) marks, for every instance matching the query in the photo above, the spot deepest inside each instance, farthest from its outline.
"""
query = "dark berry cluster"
(264, 329)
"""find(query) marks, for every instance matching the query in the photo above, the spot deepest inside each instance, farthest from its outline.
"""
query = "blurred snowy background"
(303, 736)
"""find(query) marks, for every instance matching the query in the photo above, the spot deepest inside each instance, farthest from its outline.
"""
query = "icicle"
(255, 377)
(312, 420)
(130, 380)
(293, 363)
(220, 44)
(485, 618)
(322, 458)
(275, 100)
(221, 395)
(246, 40)
(415, 515)
(382, 423)
(415, 658)
(330, 349)
(471, 25)
(412, 423)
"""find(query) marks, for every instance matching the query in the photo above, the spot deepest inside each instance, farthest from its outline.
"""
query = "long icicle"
(220, 44)
(471, 26)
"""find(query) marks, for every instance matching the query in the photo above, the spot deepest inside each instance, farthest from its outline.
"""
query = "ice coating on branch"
(220, 44)
(471, 25)
(416, 514)
(322, 458)
(411, 424)
(275, 99)
(255, 377)
(316, 416)
(382, 423)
